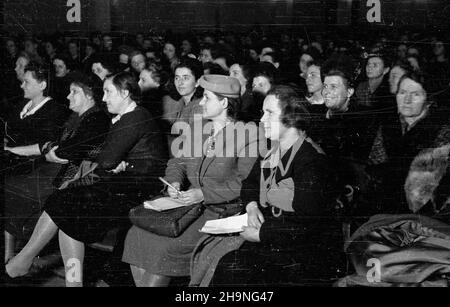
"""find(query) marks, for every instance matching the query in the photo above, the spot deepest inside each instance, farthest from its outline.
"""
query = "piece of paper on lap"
(226, 225)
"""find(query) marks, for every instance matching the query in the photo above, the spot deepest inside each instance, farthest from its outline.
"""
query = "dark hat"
(222, 85)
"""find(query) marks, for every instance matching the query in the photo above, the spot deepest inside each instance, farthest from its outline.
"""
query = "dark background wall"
(140, 15)
(425, 13)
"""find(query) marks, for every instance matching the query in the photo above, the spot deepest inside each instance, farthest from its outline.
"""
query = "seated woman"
(12, 94)
(187, 107)
(84, 133)
(316, 103)
(152, 82)
(28, 178)
(40, 120)
(415, 127)
(244, 73)
(186, 77)
(63, 75)
(214, 178)
(289, 238)
(102, 67)
(82, 214)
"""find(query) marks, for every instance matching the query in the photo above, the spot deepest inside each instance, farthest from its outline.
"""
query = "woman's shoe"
(6, 279)
(6, 272)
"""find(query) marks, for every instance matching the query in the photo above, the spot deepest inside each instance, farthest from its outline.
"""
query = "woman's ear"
(350, 92)
(43, 85)
(225, 102)
(89, 97)
(125, 93)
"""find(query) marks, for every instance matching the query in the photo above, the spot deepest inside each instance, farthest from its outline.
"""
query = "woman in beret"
(212, 177)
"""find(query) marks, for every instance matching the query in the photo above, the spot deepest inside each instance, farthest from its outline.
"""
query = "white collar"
(27, 110)
(129, 109)
(314, 102)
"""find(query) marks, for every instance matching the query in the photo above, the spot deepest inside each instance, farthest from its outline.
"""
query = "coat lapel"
(220, 148)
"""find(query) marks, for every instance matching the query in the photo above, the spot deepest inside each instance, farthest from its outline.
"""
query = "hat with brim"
(222, 85)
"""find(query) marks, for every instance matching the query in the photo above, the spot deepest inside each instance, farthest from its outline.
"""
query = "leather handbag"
(170, 223)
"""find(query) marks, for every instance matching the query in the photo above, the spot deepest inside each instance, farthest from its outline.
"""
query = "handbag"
(85, 176)
(170, 223)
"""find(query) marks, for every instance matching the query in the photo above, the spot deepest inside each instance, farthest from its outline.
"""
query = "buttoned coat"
(219, 174)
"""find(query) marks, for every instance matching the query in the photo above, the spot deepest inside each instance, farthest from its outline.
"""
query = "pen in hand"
(170, 186)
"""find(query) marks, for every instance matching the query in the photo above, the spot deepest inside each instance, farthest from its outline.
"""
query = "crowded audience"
(342, 120)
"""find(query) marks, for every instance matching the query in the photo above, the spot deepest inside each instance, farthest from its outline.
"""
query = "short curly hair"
(125, 81)
(294, 113)
(341, 66)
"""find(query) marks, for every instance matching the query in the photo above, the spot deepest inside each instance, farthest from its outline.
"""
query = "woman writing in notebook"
(213, 177)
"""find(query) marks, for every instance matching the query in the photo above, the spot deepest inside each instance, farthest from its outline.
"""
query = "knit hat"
(222, 85)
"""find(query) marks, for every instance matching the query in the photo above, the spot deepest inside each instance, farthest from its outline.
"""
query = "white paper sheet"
(163, 203)
(227, 225)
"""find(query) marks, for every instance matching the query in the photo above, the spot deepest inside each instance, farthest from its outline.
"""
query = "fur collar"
(425, 177)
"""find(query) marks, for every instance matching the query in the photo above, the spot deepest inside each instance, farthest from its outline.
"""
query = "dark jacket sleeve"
(51, 123)
(250, 186)
(90, 134)
(122, 137)
(310, 206)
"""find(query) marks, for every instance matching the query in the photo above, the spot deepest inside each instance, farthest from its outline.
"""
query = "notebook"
(163, 203)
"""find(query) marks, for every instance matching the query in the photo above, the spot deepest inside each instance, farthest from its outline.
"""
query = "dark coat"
(136, 139)
(81, 140)
(294, 247)
(43, 126)
(346, 138)
(381, 98)
(401, 148)
(84, 134)
(248, 110)
(85, 213)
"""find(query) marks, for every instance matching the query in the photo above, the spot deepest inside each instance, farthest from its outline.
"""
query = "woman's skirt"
(86, 213)
(163, 255)
(25, 195)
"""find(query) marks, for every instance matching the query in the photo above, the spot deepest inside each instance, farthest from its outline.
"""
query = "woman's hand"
(52, 157)
(251, 234)
(172, 192)
(255, 216)
(192, 196)
(120, 168)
